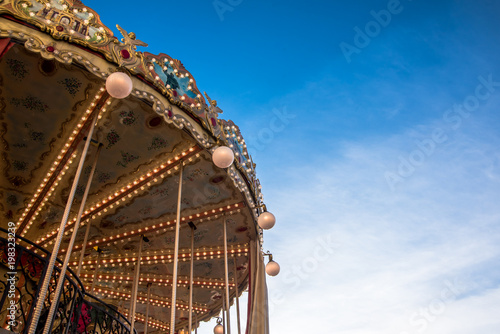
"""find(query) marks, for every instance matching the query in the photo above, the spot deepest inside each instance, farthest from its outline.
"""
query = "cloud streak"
(395, 251)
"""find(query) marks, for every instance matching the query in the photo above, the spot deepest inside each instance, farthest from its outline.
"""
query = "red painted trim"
(5, 45)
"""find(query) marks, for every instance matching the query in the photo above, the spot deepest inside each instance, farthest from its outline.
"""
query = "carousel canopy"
(55, 59)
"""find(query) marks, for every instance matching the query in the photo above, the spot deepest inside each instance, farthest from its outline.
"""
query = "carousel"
(128, 204)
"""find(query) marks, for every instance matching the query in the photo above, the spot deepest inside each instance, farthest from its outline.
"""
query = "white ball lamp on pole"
(119, 85)
(272, 267)
(223, 157)
(219, 329)
(266, 220)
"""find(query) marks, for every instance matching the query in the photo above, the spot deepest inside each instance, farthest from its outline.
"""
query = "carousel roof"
(55, 58)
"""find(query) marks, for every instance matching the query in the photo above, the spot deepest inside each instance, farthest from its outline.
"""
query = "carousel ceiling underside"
(46, 108)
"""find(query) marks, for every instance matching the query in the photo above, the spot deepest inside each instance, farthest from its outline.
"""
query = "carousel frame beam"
(156, 300)
(197, 281)
(69, 149)
(122, 193)
(167, 257)
(196, 217)
(152, 323)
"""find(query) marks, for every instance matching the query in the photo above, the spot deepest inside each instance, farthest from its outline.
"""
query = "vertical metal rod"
(85, 239)
(131, 306)
(196, 324)
(94, 278)
(227, 279)
(53, 306)
(191, 282)
(136, 286)
(237, 300)
(223, 314)
(50, 268)
(176, 251)
(147, 310)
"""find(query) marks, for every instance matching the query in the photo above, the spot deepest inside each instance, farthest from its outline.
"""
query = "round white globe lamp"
(119, 85)
(266, 220)
(219, 329)
(223, 157)
(272, 268)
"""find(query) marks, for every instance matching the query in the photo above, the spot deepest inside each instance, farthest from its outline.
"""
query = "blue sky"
(383, 171)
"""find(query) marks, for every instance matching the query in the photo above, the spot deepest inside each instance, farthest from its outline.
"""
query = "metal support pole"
(53, 306)
(237, 300)
(176, 250)
(196, 324)
(131, 306)
(191, 279)
(223, 314)
(147, 310)
(136, 286)
(227, 279)
(94, 278)
(50, 268)
(87, 231)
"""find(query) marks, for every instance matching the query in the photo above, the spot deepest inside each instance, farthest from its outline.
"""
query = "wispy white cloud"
(394, 254)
